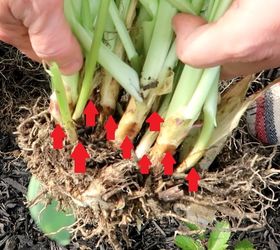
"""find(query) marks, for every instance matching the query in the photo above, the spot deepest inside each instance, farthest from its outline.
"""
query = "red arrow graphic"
(168, 161)
(193, 179)
(110, 127)
(80, 155)
(155, 120)
(144, 165)
(126, 147)
(58, 136)
(90, 112)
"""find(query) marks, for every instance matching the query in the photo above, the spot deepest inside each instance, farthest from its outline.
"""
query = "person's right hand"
(245, 40)
(39, 29)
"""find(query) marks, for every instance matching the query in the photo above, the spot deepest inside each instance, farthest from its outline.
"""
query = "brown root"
(112, 194)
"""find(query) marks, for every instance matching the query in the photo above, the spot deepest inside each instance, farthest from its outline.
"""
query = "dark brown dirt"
(17, 229)
(21, 84)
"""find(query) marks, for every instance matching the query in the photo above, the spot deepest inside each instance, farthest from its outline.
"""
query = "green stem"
(163, 35)
(209, 124)
(124, 8)
(184, 6)
(213, 11)
(71, 83)
(124, 36)
(86, 18)
(209, 7)
(150, 6)
(217, 9)
(64, 109)
(109, 90)
(198, 5)
(94, 8)
(193, 108)
(123, 73)
(76, 6)
(91, 59)
(135, 114)
(149, 137)
(224, 5)
(110, 34)
(186, 86)
(169, 64)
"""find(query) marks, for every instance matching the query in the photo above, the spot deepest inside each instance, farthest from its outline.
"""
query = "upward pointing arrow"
(193, 179)
(155, 120)
(80, 155)
(168, 162)
(110, 127)
(58, 136)
(90, 112)
(126, 147)
(144, 165)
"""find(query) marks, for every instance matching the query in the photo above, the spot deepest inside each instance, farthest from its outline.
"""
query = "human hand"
(244, 41)
(39, 29)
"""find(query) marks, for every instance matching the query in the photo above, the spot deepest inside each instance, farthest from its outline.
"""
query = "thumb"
(51, 37)
(200, 44)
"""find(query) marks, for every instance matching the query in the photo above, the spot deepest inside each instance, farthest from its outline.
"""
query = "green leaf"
(52, 222)
(187, 243)
(219, 236)
(192, 227)
(244, 245)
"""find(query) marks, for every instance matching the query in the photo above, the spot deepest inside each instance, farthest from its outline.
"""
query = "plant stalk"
(64, 109)
(91, 60)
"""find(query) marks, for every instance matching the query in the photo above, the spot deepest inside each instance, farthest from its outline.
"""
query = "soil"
(22, 83)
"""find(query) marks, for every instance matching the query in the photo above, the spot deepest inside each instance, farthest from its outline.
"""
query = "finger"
(51, 37)
(19, 38)
(14, 33)
(198, 44)
(182, 28)
(205, 45)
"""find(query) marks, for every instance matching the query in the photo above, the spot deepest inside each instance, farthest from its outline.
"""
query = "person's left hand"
(244, 40)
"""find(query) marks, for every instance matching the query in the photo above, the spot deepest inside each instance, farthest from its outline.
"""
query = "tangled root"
(112, 194)
(21, 83)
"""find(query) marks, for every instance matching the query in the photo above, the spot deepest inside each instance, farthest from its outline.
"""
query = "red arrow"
(168, 161)
(155, 120)
(110, 127)
(90, 112)
(144, 165)
(126, 147)
(193, 178)
(80, 155)
(58, 136)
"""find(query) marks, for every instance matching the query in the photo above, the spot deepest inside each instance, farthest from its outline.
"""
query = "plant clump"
(112, 195)
(128, 77)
